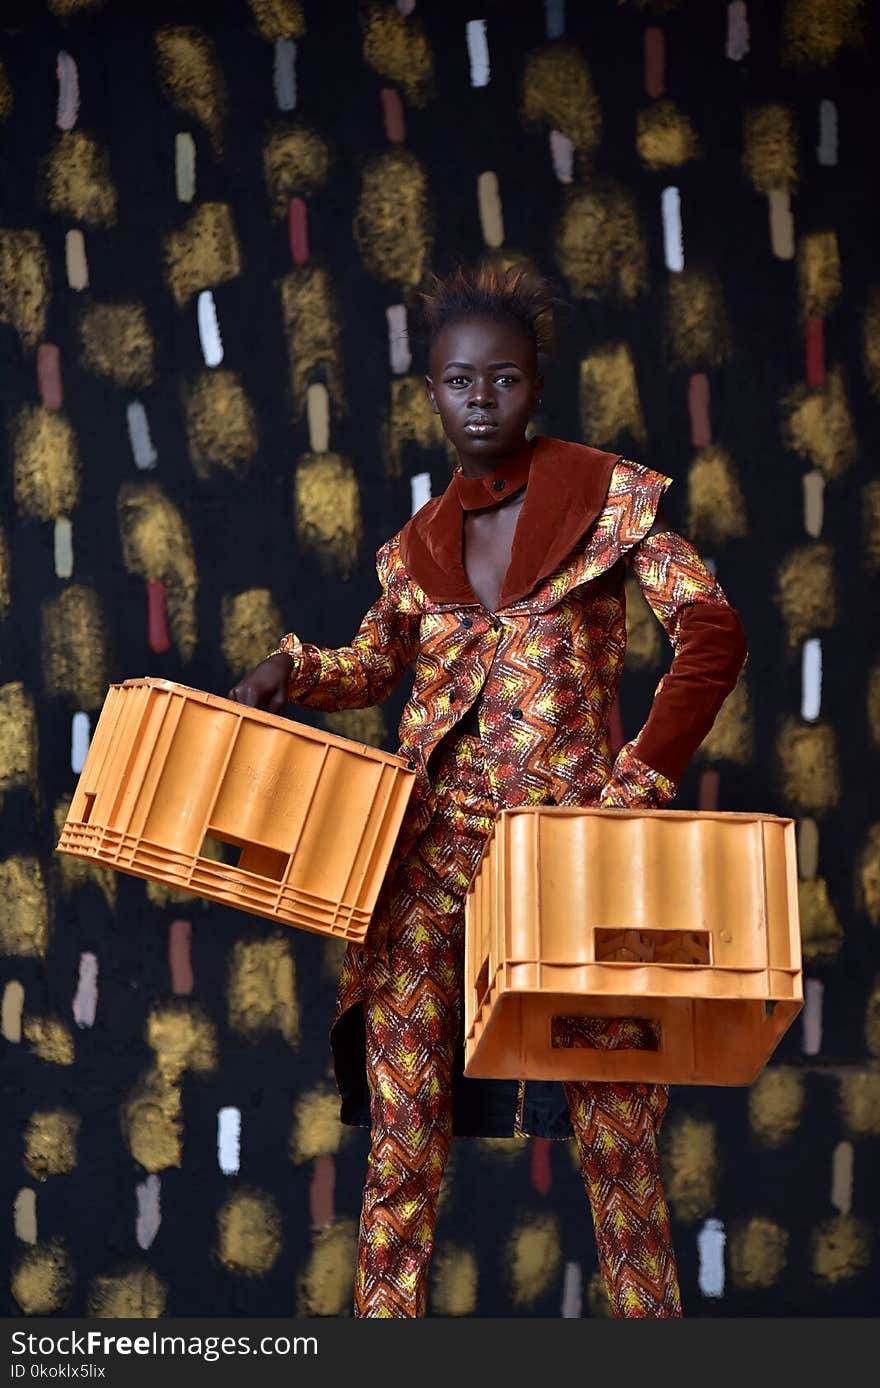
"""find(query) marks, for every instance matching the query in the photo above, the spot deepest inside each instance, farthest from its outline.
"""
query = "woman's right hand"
(266, 685)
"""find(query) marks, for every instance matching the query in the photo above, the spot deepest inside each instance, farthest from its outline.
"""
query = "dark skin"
(484, 383)
(481, 370)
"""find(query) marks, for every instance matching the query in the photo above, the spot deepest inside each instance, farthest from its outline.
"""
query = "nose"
(481, 394)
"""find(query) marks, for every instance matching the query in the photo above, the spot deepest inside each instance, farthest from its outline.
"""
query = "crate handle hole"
(605, 1033)
(220, 850)
(616, 946)
(90, 798)
(249, 857)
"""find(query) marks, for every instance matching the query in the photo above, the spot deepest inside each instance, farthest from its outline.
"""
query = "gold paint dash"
(77, 180)
(191, 77)
(25, 284)
(138, 1293)
(396, 46)
(328, 510)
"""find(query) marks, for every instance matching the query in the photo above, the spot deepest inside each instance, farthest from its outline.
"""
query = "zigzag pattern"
(545, 670)
(543, 673)
(412, 1019)
(616, 1131)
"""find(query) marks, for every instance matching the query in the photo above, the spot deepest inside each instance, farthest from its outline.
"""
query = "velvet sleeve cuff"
(634, 784)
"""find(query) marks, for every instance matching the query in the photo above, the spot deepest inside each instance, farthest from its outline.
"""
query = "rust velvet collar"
(566, 488)
(476, 493)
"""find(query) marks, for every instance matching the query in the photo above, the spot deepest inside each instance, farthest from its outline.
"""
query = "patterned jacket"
(545, 666)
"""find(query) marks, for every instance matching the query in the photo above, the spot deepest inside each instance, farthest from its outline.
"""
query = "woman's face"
(484, 384)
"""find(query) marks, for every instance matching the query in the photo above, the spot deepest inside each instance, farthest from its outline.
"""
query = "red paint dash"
(157, 624)
(616, 728)
(707, 795)
(698, 409)
(298, 231)
(321, 1191)
(541, 1178)
(180, 958)
(655, 62)
(49, 376)
(815, 351)
(392, 115)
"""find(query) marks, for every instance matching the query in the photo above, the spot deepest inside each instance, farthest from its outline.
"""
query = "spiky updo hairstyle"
(516, 296)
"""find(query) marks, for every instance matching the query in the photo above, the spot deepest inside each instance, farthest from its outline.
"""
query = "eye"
(511, 380)
(453, 380)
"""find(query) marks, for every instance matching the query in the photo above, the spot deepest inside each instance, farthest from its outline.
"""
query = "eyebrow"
(493, 365)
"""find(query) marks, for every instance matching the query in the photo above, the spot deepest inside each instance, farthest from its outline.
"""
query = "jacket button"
(517, 712)
(453, 698)
(551, 800)
(499, 485)
(467, 622)
(411, 766)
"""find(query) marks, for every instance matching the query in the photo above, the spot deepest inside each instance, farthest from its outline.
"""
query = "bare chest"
(488, 544)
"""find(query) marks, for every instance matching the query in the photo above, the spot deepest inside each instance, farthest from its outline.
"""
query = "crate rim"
(323, 735)
(636, 812)
(640, 812)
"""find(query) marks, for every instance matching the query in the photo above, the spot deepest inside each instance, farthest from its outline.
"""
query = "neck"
(471, 466)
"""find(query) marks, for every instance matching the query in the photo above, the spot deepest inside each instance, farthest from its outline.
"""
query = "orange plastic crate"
(685, 920)
(310, 818)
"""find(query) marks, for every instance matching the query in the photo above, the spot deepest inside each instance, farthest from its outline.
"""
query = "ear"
(537, 391)
(429, 391)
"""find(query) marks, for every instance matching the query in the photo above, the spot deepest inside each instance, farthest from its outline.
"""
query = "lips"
(479, 424)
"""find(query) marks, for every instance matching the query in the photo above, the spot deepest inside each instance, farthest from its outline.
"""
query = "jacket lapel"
(567, 487)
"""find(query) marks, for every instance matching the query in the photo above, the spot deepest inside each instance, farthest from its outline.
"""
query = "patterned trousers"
(412, 1018)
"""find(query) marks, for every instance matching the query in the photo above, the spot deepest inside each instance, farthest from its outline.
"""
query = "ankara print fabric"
(633, 784)
(543, 672)
(412, 1027)
(546, 667)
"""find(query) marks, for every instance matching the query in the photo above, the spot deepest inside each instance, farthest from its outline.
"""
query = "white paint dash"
(673, 243)
(811, 1017)
(562, 156)
(573, 1292)
(209, 329)
(478, 52)
(811, 679)
(80, 737)
(149, 1210)
(229, 1140)
(420, 490)
(142, 449)
(710, 1250)
(737, 45)
(85, 999)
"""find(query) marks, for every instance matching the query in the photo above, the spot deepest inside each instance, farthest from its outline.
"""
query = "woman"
(508, 594)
